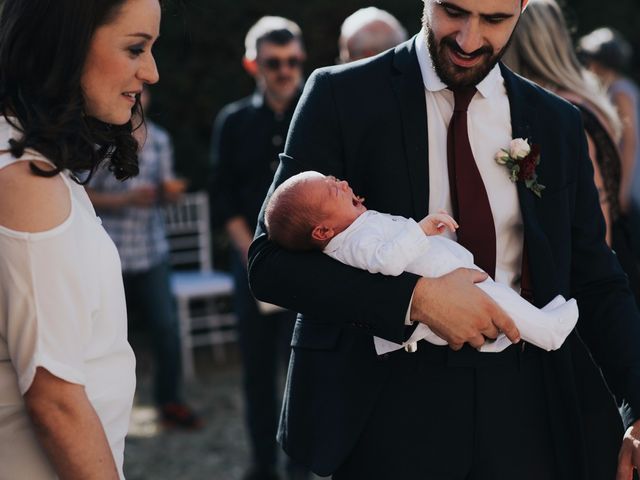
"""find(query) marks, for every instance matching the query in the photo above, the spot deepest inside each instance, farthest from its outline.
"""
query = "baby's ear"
(322, 233)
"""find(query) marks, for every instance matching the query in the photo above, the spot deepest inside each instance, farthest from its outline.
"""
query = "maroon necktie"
(469, 198)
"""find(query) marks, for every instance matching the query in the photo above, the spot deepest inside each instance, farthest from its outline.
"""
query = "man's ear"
(250, 66)
(322, 233)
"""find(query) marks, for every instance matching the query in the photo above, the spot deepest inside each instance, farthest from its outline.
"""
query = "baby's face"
(338, 202)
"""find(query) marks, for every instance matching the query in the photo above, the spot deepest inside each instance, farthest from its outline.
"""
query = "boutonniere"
(522, 159)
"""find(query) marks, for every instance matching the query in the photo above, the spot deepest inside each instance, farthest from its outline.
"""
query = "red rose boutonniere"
(522, 159)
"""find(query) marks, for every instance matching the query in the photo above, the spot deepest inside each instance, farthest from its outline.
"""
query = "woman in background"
(542, 51)
(607, 55)
(70, 76)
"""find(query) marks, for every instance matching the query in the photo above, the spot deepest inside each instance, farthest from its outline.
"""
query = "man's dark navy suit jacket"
(366, 123)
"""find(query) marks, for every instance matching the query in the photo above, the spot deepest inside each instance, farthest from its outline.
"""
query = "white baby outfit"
(391, 245)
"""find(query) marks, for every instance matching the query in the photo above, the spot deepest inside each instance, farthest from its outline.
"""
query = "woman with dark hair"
(71, 72)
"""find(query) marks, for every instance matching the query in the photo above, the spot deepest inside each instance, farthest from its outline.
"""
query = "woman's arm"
(69, 429)
(629, 144)
(605, 205)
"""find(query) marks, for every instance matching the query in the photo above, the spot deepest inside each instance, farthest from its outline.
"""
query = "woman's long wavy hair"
(43, 49)
(542, 50)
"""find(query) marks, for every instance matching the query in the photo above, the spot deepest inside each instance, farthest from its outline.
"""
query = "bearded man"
(416, 130)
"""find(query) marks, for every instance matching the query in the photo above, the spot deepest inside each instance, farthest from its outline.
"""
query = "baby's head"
(309, 209)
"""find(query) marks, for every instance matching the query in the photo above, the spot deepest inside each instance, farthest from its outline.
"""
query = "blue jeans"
(149, 298)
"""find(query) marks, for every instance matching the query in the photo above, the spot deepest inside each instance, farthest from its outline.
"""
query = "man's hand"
(173, 189)
(629, 457)
(142, 196)
(458, 311)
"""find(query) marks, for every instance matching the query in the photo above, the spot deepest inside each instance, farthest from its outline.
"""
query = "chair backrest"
(188, 232)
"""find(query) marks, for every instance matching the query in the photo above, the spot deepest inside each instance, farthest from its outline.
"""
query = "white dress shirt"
(489, 126)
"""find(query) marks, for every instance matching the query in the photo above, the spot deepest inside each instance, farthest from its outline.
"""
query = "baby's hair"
(291, 215)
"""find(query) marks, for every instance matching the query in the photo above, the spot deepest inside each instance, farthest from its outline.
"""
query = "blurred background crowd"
(211, 369)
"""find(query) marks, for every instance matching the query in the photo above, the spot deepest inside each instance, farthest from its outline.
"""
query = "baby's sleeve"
(389, 253)
(45, 303)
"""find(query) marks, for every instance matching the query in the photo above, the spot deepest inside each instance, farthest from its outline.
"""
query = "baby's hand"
(437, 223)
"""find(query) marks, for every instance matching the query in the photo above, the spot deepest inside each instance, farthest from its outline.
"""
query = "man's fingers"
(455, 346)
(629, 456)
(625, 469)
(506, 325)
(490, 332)
(476, 276)
(477, 341)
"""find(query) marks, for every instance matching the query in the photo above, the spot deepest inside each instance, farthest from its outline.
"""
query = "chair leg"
(218, 346)
(186, 345)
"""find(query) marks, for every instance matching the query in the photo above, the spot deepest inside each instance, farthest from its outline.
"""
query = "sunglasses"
(275, 63)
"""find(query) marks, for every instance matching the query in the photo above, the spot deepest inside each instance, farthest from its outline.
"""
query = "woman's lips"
(130, 98)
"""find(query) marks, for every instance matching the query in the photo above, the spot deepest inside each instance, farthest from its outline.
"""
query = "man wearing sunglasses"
(248, 135)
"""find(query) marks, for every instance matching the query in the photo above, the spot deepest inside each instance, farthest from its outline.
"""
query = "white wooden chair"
(200, 292)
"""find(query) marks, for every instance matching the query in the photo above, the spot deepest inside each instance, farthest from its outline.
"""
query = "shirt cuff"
(407, 317)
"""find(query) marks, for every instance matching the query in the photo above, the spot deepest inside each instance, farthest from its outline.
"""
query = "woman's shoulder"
(591, 115)
(32, 203)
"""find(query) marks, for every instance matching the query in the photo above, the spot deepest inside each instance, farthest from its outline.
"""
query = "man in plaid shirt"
(131, 213)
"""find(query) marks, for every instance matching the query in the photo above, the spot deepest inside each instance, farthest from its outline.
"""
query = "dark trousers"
(149, 298)
(447, 415)
(265, 348)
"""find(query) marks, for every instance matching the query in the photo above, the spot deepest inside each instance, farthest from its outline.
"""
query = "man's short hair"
(278, 30)
(357, 39)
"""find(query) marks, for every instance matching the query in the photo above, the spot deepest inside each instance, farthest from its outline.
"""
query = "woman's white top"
(62, 307)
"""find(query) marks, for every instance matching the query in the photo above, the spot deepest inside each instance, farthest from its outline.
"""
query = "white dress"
(388, 244)
(62, 307)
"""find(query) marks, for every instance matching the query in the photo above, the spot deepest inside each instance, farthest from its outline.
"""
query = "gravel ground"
(217, 452)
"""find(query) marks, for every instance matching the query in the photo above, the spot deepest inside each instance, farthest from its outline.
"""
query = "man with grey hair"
(248, 135)
(367, 32)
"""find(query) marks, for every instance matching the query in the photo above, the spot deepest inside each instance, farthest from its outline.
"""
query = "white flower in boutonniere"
(521, 159)
(519, 148)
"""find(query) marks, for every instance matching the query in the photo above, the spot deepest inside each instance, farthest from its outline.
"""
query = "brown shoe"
(180, 416)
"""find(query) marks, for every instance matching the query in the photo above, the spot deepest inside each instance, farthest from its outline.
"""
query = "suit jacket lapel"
(522, 116)
(523, 125)
(409, 89)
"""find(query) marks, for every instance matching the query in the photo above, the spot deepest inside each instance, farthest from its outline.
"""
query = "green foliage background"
(201, 46)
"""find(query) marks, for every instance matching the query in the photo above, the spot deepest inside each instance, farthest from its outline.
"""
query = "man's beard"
(453, 75)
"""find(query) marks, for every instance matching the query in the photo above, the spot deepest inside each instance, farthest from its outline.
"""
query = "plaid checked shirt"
(139, 233)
